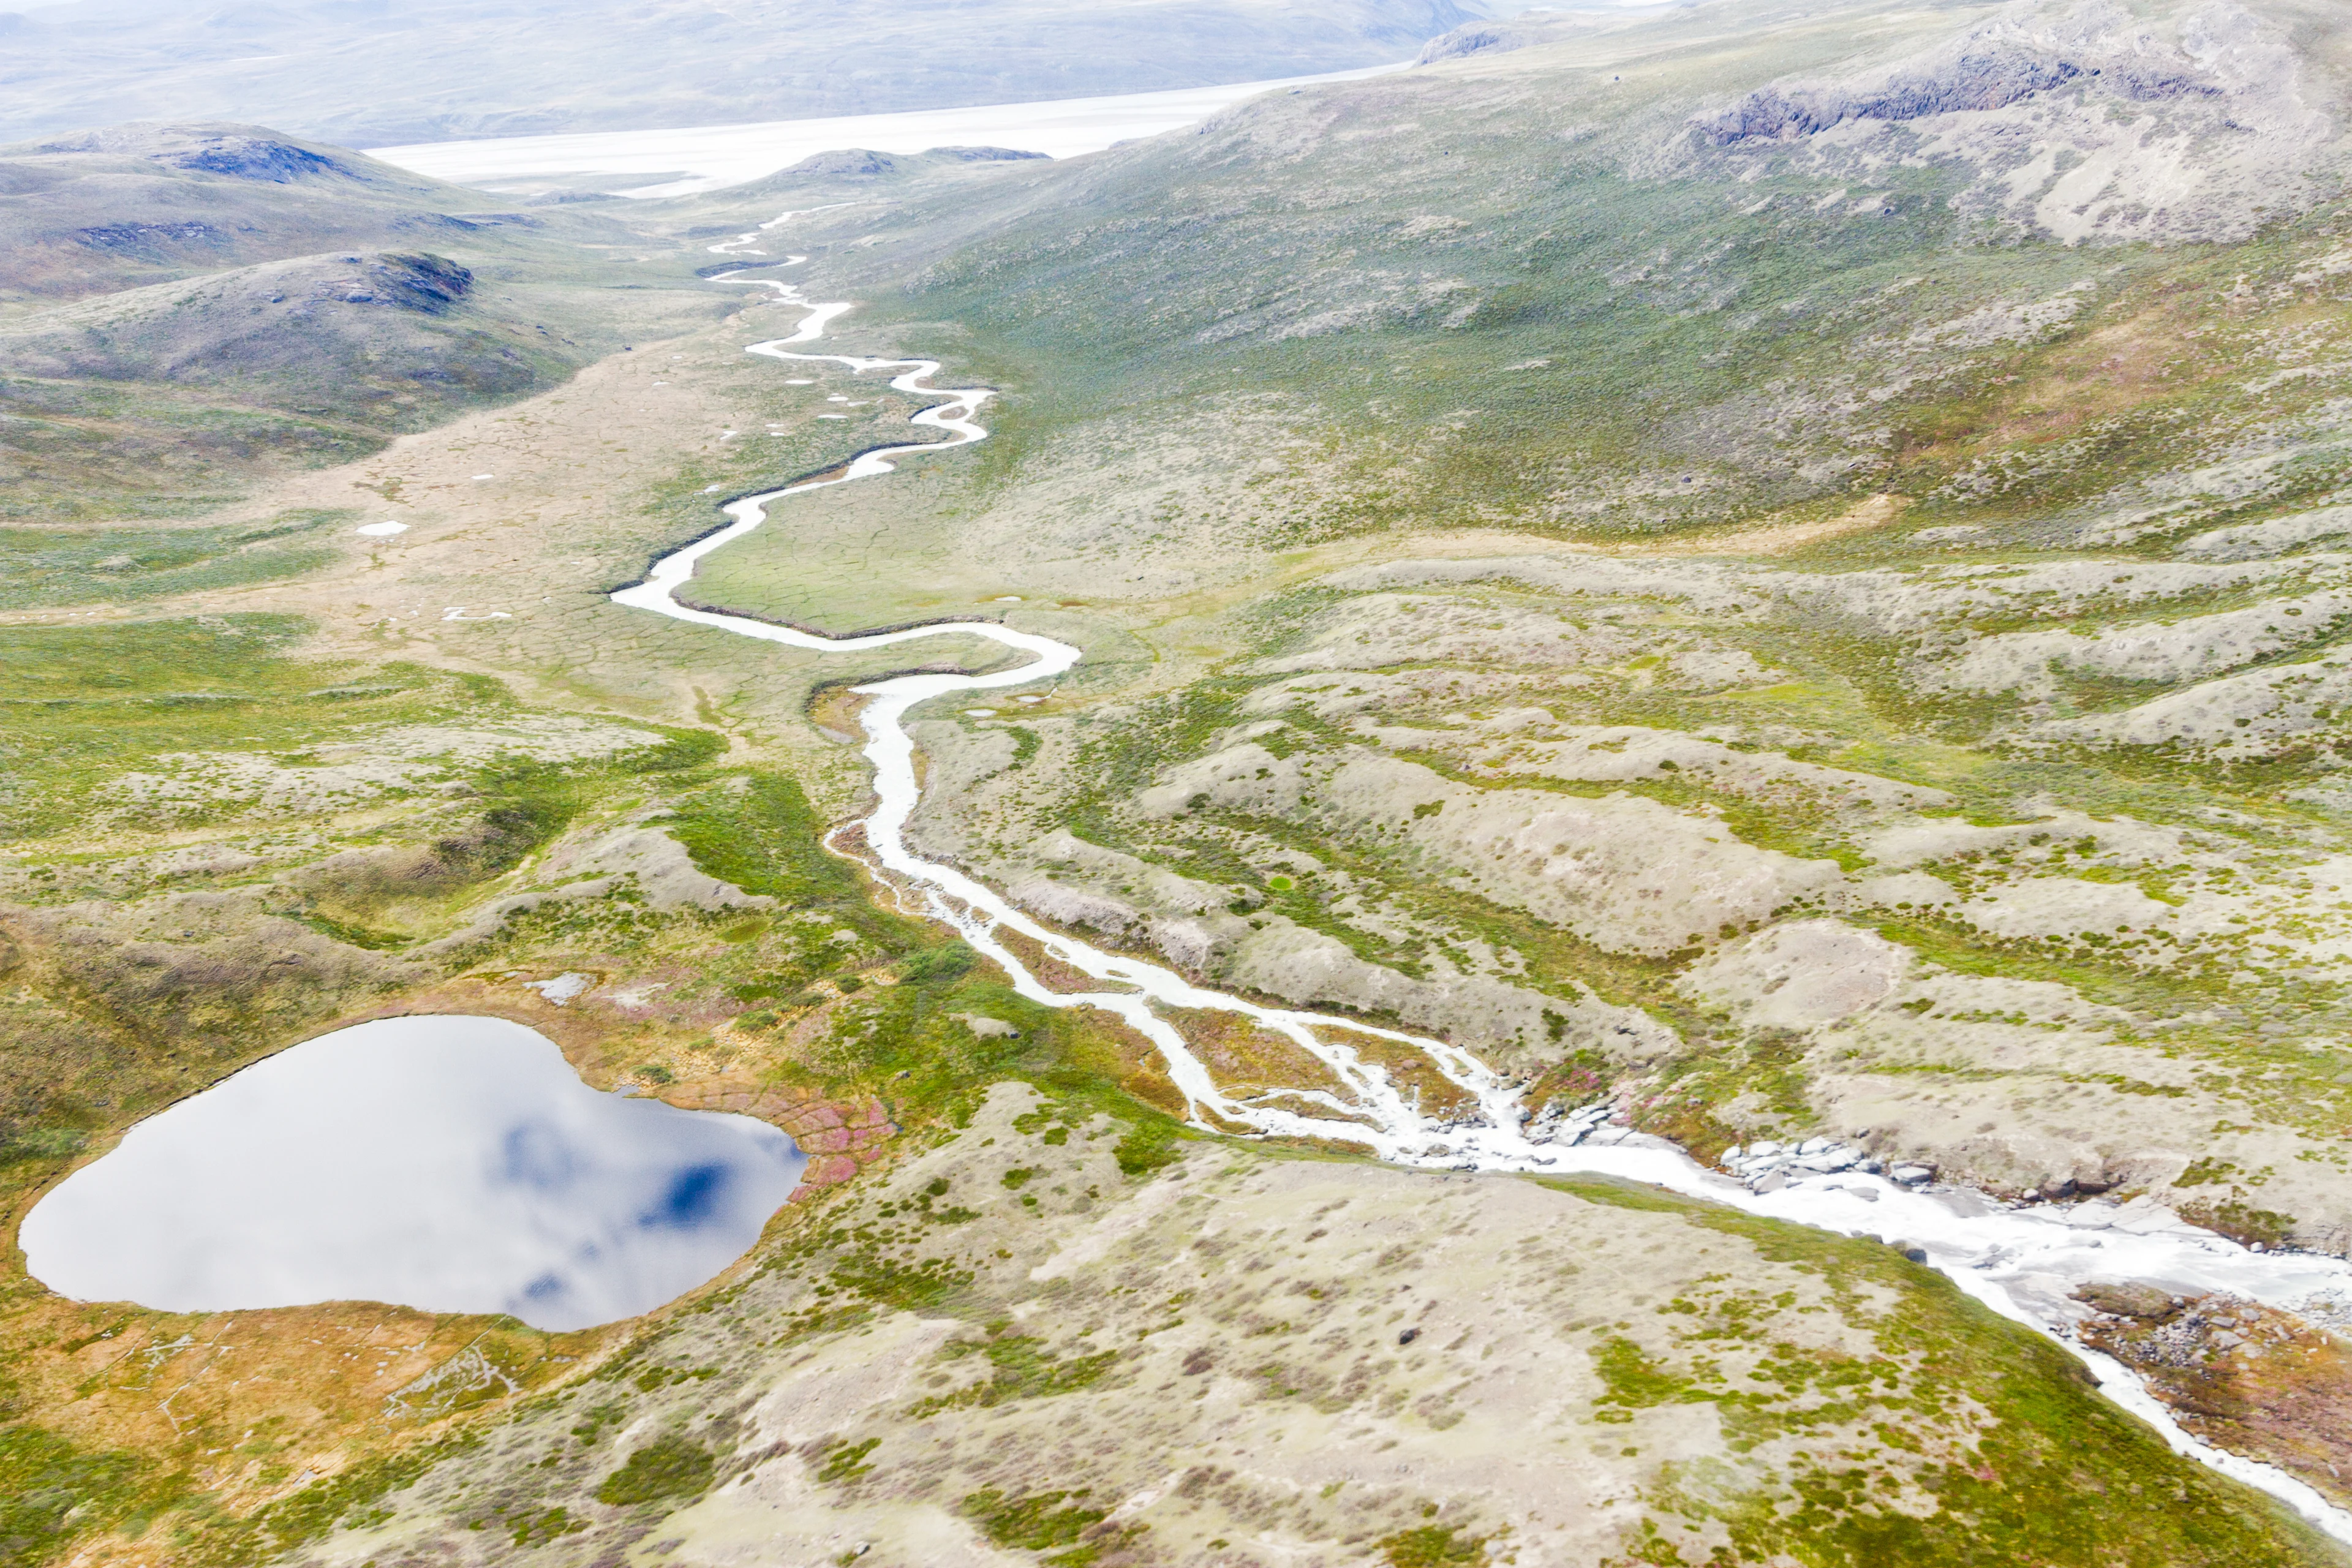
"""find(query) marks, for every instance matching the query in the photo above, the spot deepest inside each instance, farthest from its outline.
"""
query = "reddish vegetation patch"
(1246, 1059)
(2244, 1377)
(834, 710)
(1134, 1061)
(839, 1136)
(1569, 1083)
(1060, 978)
(1409, 1069)
(1688, 1123)
(252, 1406)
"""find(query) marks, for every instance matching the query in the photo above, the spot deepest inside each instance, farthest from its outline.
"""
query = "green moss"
(341, 1500)
(1634, 1382)
(1944, 1367)
(539, 1529)
(664, 1470)
(1616, 1192)
(52, 1492)
(758, 831)
(926, 1286)
(1038, 1522)
(1023, 1367)
(1148, 1145)
(46, 567)
(846, 1462)
(2240, 1220)
(595, 1419)
(1432, 1546)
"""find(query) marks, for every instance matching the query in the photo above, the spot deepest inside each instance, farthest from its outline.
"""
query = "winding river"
(2023, 1263)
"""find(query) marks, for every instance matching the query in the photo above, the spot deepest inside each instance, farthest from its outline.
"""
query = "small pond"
(451, 1163)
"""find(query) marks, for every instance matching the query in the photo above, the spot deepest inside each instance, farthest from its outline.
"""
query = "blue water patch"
(450, 1163)
(693, 1197)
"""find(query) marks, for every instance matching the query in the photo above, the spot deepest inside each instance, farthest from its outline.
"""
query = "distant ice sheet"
(704, 157)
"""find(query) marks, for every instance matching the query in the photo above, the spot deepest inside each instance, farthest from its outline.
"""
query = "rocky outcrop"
(239, 151)
(2089, 122)
(2270, 1384)
(1972, 83)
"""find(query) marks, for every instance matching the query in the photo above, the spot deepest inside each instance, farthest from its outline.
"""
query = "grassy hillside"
(189, 309)
(1776, 566)
(1850, 534)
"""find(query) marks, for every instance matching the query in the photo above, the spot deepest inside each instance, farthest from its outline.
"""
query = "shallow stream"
(2023, 1263)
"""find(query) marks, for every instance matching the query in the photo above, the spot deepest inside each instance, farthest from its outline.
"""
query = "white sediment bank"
(676, 162)
(2023, 1263)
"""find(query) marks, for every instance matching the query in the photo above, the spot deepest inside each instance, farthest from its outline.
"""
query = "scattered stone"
(2142, 1302)
(563, 989)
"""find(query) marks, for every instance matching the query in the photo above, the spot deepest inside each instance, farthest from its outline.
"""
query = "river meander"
(454, 1164)
(457, 1164)
(2023, 1263)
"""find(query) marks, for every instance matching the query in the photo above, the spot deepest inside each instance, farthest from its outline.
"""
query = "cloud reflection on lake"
(452, 1164)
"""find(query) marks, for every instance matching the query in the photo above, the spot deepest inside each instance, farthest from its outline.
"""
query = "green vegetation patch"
(1039, 1521)
(52, 1492)
(667, 1468)
(345, 1500)
(1023, 1367)
(846, 1462)
(758, 831)
(49, 567)
(1434, 1546)
(2004, 1431)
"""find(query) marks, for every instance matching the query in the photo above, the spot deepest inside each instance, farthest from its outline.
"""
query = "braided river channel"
(2022, 1262)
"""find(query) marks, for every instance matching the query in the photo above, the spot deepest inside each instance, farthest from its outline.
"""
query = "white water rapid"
(2023, 1263)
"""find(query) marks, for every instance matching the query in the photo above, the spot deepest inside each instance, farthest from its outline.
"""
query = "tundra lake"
(456, 1164)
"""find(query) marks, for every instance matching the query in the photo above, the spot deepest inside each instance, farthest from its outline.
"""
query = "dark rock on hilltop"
(223, 299)
(387, 339)
(1973, 83)
(259, 158)
(150, 241)
(143, 204)
(427, 283)
(242, 153)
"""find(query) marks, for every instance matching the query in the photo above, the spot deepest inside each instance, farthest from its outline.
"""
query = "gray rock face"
(239, 151)
(1973, 82)
(2183, 122)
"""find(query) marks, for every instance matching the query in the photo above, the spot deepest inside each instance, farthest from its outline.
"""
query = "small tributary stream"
(2023, 1263)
